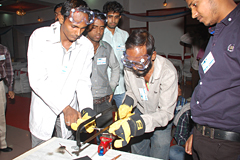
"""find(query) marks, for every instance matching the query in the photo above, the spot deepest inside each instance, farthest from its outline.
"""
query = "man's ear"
(154, 55)
(61, 19)
(120, 17)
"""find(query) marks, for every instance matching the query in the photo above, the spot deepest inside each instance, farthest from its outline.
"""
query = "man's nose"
(98, 30)
(78, 32)
(194, 13)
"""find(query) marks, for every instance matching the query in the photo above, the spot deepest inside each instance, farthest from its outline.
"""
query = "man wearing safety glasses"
(152, 90)
(59, 67)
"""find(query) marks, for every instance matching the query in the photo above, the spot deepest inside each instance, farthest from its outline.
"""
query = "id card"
(2, 57)
(101, 61)
(143, 94)
(208, 62)
(121, 48)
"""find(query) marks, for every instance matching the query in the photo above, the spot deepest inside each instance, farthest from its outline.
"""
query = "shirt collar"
(56, 35)
(227, 20)
(157, 69)
(231, 16)
(102, 44)
(108, 31)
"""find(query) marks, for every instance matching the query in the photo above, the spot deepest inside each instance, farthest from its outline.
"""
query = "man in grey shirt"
(104, 57)
(152, 90)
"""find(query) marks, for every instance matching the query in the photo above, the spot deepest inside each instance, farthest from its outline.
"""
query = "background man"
(116, 37)
(152, 90)
(57, 11)
(59, 67)
(215, 104)
(104, 57)
(6, 73)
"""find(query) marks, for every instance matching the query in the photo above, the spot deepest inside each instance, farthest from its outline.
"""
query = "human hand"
(123, 112)
(188, 145)
(85, 114)
(127, 128)
(70, 115)
(11, 94)
(110, 99)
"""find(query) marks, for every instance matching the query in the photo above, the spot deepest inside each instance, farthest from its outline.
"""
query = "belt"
(101, 100)
(214, 133)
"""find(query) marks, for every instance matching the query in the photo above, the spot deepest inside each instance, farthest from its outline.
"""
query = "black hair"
(69, 4)
(57, 6)
(113, 6)
(99, 15)
(140, 38)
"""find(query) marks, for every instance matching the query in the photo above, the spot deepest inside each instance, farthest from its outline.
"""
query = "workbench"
(49, 150)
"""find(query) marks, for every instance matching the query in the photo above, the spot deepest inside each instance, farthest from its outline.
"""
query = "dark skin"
(138, 51)
(69, 33)
(113, 19)
(95, 35)
(208, 13)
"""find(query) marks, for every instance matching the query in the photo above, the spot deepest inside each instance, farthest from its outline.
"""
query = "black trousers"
(205, 148)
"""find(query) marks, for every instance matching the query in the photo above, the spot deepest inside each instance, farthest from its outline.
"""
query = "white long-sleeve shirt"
(55, 83)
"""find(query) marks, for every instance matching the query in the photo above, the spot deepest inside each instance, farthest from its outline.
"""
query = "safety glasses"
(78, 15)
(140, 63)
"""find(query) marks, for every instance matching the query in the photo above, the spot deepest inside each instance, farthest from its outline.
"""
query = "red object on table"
(104, 145)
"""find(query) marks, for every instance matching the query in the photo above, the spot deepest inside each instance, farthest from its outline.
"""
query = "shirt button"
(229, 19)
(200, 83)
(197, 102)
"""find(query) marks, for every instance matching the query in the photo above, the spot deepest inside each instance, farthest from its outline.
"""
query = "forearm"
(115, 71)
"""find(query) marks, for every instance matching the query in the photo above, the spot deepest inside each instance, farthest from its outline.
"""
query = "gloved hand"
(127, 128)
(125, 109)
(86, 114)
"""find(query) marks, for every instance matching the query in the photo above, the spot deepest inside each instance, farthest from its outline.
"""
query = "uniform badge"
(230, 48)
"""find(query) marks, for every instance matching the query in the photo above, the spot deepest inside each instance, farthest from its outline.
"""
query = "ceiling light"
(40, 19)
(20, 12)
(165, 3)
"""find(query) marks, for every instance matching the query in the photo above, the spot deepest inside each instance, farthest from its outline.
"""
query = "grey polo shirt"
(104, 58)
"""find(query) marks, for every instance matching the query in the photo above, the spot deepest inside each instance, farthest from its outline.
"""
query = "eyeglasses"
(141, 63)
(77, 15)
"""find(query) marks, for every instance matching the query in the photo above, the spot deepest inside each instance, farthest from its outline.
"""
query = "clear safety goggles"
(78, 15)
(141, 63)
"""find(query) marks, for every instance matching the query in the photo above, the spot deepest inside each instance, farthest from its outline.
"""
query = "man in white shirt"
(116, 37)
(59, 67)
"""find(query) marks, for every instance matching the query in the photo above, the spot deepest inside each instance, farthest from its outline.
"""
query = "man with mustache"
(116, 37)
(152, 90)
(215, 103)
